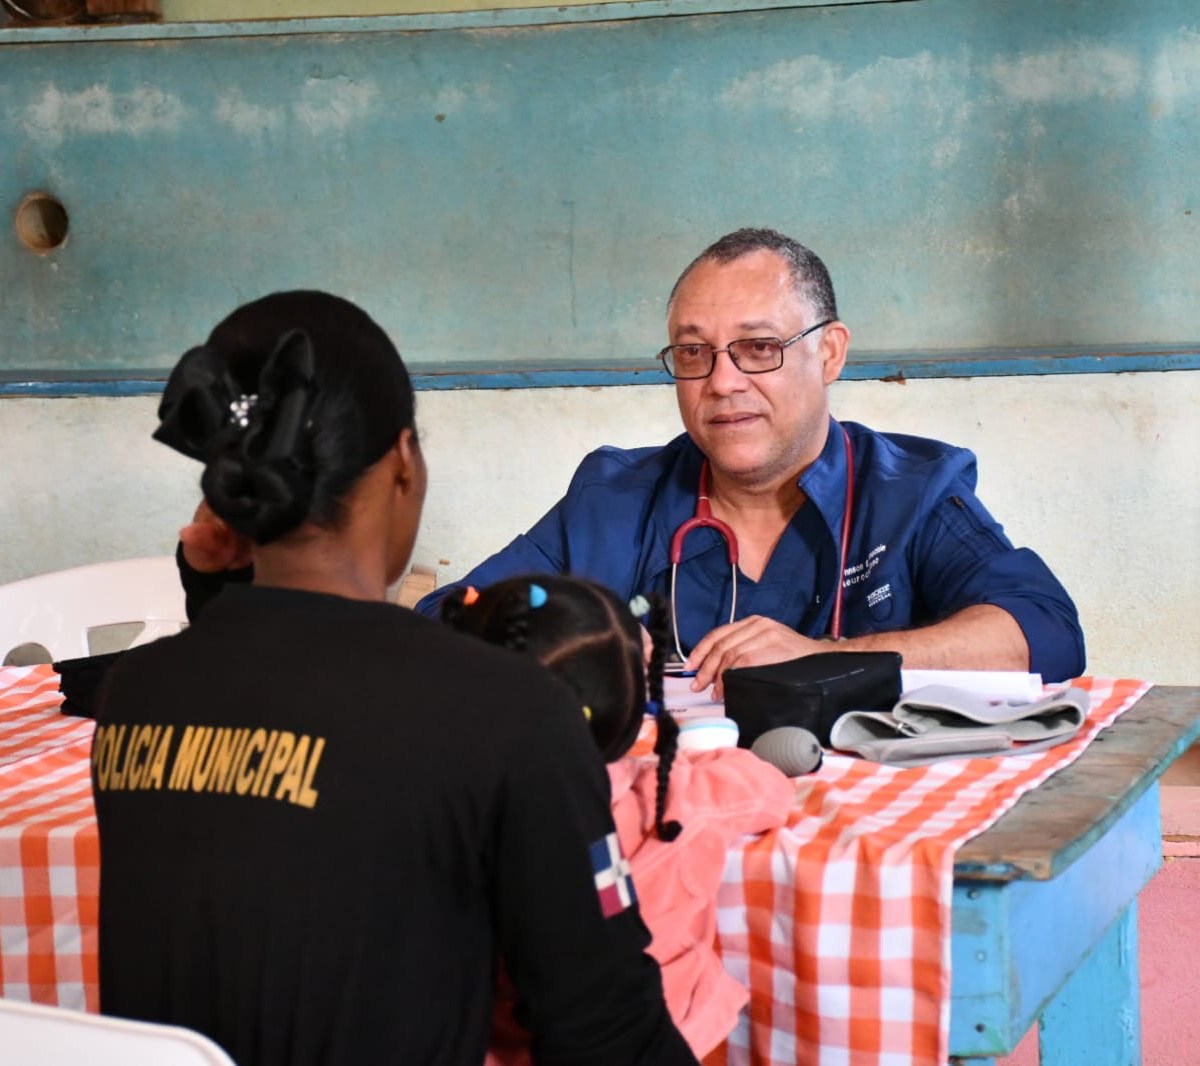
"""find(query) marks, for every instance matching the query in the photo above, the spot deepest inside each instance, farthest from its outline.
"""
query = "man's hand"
(752, 641)
(209, 544)
(980, 637)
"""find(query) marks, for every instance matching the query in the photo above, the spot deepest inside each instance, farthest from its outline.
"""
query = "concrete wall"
(1001, 176)
(1005, 177)
(1097, 472)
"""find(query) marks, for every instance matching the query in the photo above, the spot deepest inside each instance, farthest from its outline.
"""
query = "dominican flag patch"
(614, 881)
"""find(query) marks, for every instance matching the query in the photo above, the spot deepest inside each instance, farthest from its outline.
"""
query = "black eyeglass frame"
(712, 364)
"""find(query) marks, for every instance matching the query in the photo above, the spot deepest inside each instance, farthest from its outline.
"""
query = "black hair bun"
(262, 499)
(289, 400)
(262, 477)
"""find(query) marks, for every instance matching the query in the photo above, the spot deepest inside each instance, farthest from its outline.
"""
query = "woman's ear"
(405, 468)
(408, 463)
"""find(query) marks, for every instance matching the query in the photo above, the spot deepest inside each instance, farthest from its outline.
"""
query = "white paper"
(682, 702)
(1012, 686)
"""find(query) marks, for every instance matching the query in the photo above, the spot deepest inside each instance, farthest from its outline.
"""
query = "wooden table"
(1045, 901)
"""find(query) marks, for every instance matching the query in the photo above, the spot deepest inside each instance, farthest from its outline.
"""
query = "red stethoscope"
(703, 518)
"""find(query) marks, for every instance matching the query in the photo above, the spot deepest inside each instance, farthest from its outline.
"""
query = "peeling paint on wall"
(246, 118)
(817, 90)
(1176, 72)
(98, 111)
(1079, 71)
(332, 105)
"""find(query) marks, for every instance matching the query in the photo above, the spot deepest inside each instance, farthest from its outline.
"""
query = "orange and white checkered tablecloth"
(839, 923)
(49, 849)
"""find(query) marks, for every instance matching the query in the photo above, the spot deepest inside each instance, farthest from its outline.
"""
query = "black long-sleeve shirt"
(322, 821)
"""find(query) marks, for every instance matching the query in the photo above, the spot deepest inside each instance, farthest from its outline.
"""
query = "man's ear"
(835, 342)
(408, 463)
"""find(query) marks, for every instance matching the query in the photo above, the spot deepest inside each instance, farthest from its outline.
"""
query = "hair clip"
(239, 409)
(654, 707)
(537, 596)
(640, 606)
(587, 712)
(470, 595)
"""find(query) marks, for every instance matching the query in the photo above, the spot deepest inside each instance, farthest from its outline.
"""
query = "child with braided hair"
(591, 640)
(676, 812)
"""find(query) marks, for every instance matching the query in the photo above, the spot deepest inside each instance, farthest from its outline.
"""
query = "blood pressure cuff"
(812, 692)
(940, 722)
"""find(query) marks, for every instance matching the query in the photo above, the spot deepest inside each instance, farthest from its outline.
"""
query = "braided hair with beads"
(584, 634)
(667, 739)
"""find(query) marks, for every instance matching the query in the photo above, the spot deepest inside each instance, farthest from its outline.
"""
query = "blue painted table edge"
(1061, 951)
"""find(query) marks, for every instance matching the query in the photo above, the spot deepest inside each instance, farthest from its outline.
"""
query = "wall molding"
(865, 366)
(491, 18)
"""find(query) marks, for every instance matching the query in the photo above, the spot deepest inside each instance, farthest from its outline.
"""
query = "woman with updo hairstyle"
(323, 818)
(676, 812)
(284, 435)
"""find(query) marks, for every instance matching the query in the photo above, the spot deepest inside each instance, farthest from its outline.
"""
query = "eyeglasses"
(754, 355)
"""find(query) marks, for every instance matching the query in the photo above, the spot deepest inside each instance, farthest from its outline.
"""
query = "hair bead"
(590, 638)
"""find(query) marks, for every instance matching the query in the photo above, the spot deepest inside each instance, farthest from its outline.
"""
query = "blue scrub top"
(922, 546)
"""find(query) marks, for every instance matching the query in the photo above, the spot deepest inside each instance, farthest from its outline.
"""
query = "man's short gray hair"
(809, 275)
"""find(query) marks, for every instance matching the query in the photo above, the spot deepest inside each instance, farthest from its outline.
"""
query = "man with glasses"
(924, 568)
(918, 565)
(877, 540)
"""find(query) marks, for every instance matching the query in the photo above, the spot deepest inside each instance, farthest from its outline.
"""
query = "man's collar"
(824, 482)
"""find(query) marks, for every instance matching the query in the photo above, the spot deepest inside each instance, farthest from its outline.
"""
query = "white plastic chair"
(34, 1035)
(60, 610)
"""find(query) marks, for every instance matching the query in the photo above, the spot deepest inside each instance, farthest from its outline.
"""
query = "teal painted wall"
(986, 175)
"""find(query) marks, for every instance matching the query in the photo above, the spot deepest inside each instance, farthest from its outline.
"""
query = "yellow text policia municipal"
(270, 764)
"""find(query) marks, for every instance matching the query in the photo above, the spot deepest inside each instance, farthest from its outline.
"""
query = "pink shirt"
(717, 796)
